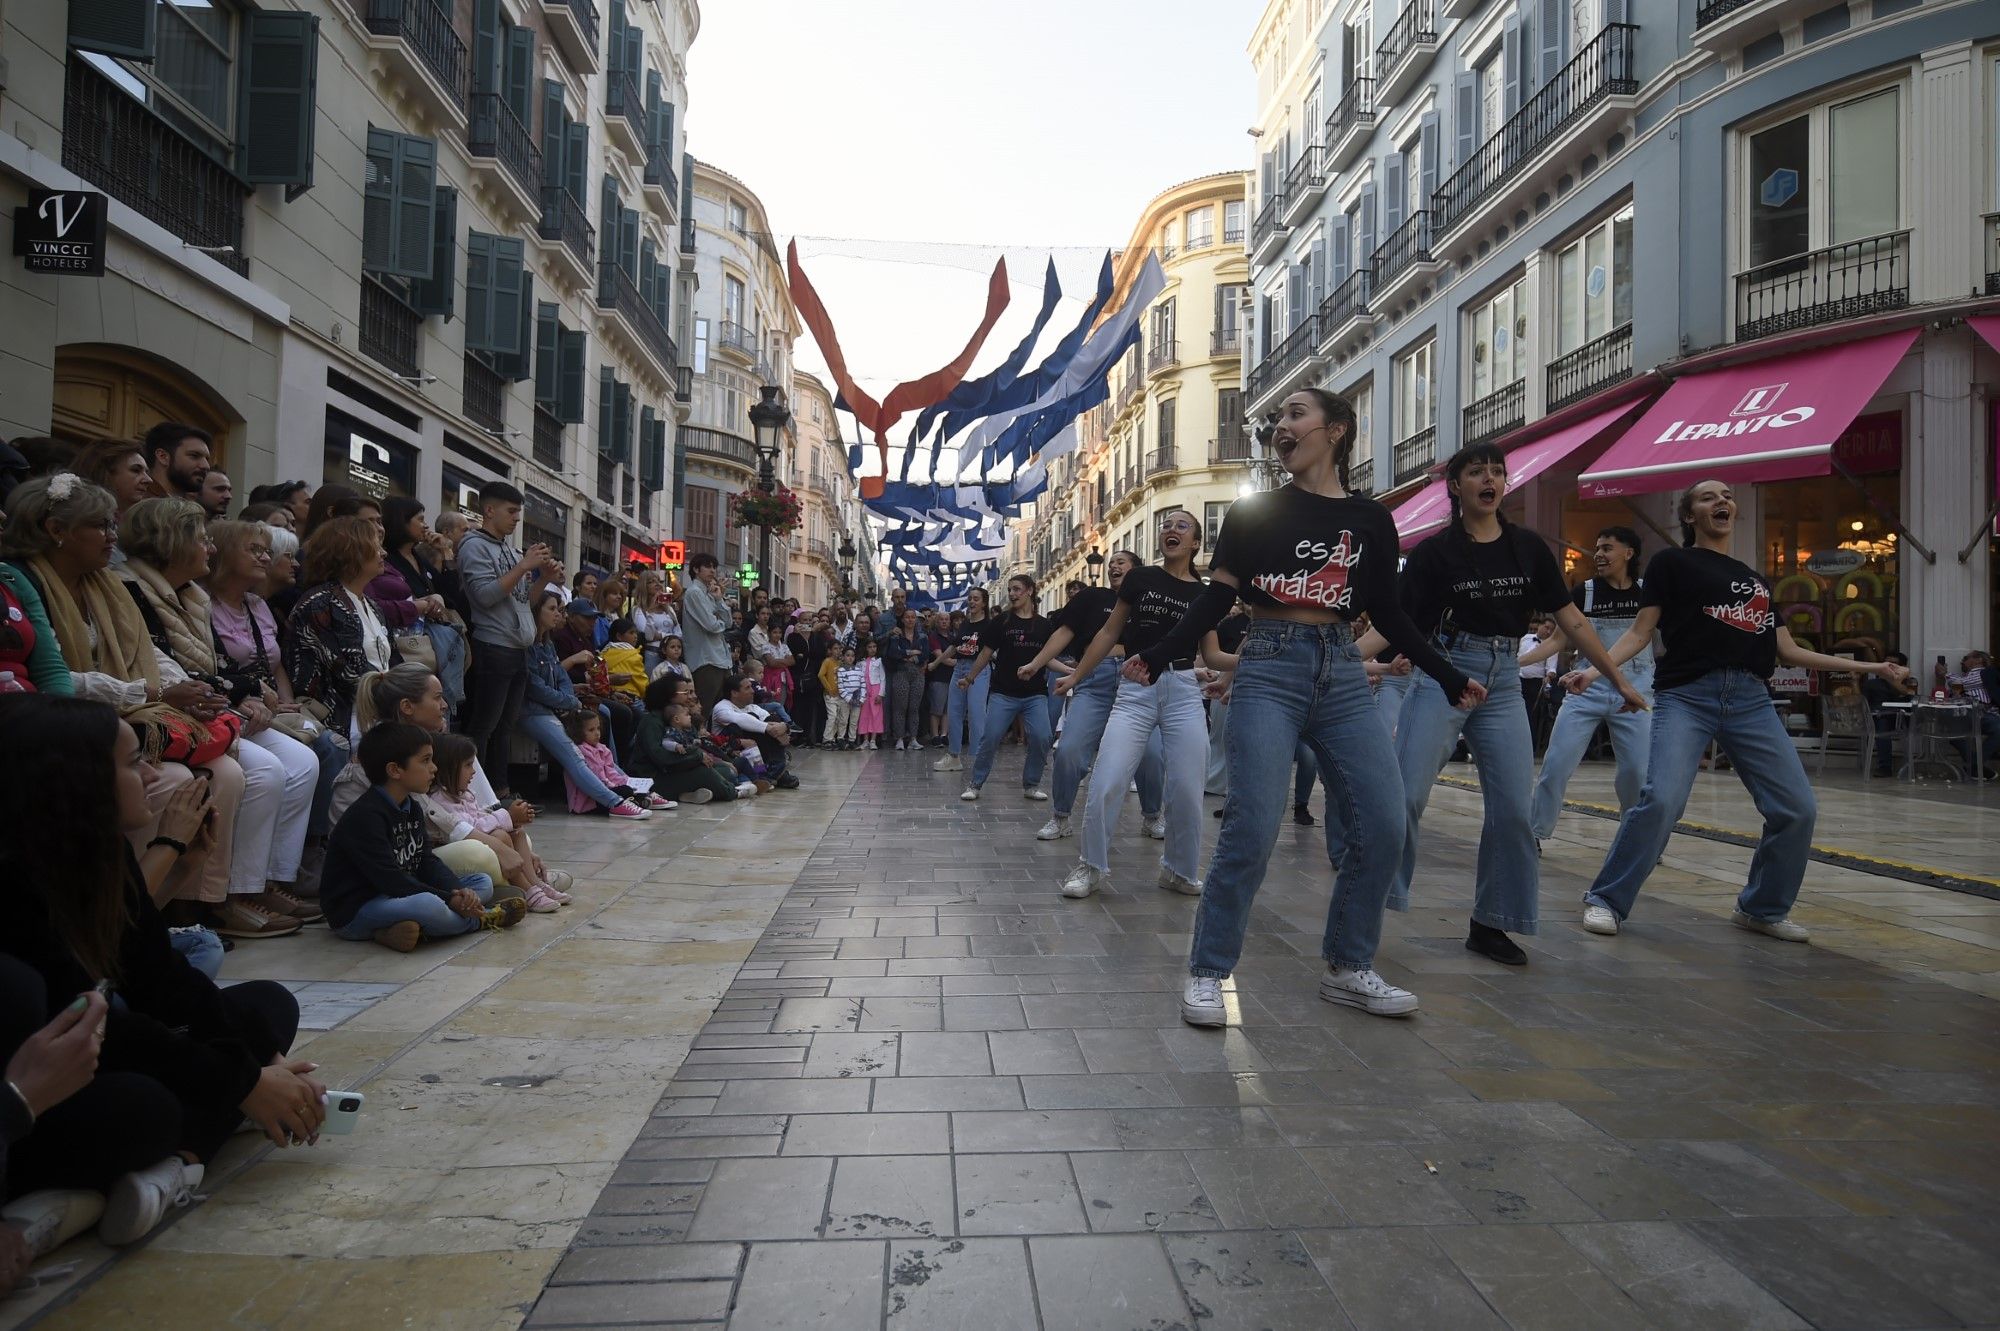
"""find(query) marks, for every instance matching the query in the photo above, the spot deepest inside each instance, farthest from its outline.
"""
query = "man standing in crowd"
(180, 456)
(704, 623)
(216, 492)
(843, 625)
(501, 584)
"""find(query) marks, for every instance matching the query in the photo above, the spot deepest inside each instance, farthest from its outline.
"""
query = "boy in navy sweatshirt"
(381, 880)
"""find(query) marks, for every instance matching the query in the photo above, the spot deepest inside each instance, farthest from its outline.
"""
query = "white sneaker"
(1600, 920)
(1082, 881)
(1032, 794)
(1779, 928)
(1055, 829)
(969, 793)
(899, 746)
(53, 1217)
(138, 1201)
(1201, 1002)
(1156, 828)
(1173, 882)
(746, 790)
(948, 763)
(1365, 990)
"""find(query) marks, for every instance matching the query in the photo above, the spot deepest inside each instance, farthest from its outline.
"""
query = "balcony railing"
(1225, 341)
(495, 131)
(1230, 446)
(629, 492)
(563, 219)
(1494, 414)
(1287, 356)
(607, 479)
(585, 14)
(485, 394)
(1347, 301)
(1825, 286)
(1602, 69)
(660, 173)
(115, 143)
(737, 336)
(426, 26)
(622, 99)
(1355, 110)
(1712, 10)
(1232, 235)
(1160, 460)
(1361, 477)
(1133, 389)
(616, 292)
(1407, 246)
(1592, 366)
(1993, 254)
(1307, 174)
(1200, 241)
(715, 443)
(1270, 217)
(1416, 25)
(390, 329)
(548, 442)
(1162, 356)
(1415, 454)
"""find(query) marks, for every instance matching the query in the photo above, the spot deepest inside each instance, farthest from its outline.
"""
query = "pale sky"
(943, 127)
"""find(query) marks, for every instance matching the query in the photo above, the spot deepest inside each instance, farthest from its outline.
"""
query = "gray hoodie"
(499, 619)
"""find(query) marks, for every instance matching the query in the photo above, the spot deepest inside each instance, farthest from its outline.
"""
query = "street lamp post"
(768, 418)
(1096, 561)
(847, 553)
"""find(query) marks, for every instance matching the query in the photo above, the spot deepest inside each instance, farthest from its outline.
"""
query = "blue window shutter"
(1510, 63)
(621, 422)
(656, 455)
(614, 38)
(433, 295)
(113, 27)
(1394, 192)
(486, 44)
(520, 80)
(635, 52)
(1465, 115)
(548, 333)
(280, 69)
(479, 264)
(1318, 272)
(1554, 33)
(1428, 135)
(569, 393)
(628, 240)
(1364, 248)
(1338, 241)
(653, 144)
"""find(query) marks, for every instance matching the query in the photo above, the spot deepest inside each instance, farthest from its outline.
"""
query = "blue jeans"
(965, 709)
(1055, 699)
(1001, 709)
(332, 752)
(1164, 716)
(1507, 887)
(1733, 707)
(548, 732)
(1082, 735)
(1304, 771)
(1391, 691)
(1302, 681)
(1576, 722)
(200, 946)
(428, 909)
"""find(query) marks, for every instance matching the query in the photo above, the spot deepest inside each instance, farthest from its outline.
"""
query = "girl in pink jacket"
(586, 731)
(455, 814)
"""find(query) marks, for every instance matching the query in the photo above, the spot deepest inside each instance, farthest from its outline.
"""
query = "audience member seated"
(550, 698)
(738, 714)
(455, 814)
(280, 588)
(652, 609)
(625, 665)
(668, 749)
(586, 730)
(576, 643)
(420, 622)
(119, 465)
(335, 636)
(673, 660)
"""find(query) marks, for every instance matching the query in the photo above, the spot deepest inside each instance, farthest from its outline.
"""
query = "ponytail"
(381, 693)
(1338, 411)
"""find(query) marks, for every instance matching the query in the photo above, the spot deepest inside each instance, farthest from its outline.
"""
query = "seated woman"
(552, 697)
(167, 550)
(335, 635)
(182, 1063)
(407, 601)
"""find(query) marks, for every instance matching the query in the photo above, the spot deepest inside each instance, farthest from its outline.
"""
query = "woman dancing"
(1008, 643)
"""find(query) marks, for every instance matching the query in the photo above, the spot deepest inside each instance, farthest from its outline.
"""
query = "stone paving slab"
(937, 1095)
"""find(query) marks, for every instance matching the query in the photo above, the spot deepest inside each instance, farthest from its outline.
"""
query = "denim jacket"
(549, 691)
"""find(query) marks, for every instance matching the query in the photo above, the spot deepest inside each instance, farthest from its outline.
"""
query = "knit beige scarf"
(183, 613)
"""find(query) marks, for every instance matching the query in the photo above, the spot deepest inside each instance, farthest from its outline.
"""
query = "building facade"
(1171, 434)
(1497, 221)
(398, 244)
(833, 550)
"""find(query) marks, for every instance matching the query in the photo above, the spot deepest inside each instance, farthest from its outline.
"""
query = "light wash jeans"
(1391, 691)
(200, 946)
(1082, 738)
(1055, 699)
(1507, 881)
(1302, 681)
(428, 909)
(1001, 709)
(965, 709)
(1576, 721)
(548, 732)
(1167, 711)
(1734, 708)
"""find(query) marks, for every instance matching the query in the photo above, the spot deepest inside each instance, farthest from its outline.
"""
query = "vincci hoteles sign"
(62, 231)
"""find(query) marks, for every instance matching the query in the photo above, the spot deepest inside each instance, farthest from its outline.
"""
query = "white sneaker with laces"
(1082, 881)
(948, 763)
(138, 1201)
(1201, 1002)
(1032, 794)
(1055, 829)
(1365, 990)
(1600, 920)
(51, 1218)
(969, 793)
(1779, 928)
(1173, 882)
(1156, 828)
(746, 790)
(899, 746)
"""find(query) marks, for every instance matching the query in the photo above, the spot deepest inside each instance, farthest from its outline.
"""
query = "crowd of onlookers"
(323, 708)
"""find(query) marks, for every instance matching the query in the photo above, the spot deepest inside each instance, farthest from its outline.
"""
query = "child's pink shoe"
(541, 901)
(658, 802)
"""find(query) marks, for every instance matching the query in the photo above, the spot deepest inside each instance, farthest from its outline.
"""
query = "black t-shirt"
(966, 645)
(1084, 617)
(1489, 589)
(940, 673)
(1155, 601)
(1231, 632)
(1014, 642)
(1715, 614)
(1598, 599)
(1289, 547)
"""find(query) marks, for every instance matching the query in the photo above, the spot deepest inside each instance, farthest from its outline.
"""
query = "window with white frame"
(1358, 43)
(191, 81)
(1212, 514)
(739, 218)
(1361, 397)
(1416, 391)
(1594, 282)
(1198, 228)
(733, 300)
(1825, 177)
(1233, 213)
(1497, 343)
(1314, 111)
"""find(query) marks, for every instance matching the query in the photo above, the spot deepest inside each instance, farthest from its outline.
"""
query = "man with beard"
(216, 492)
(180, 457)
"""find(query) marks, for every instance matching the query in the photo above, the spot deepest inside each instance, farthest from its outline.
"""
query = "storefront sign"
(1794, 682)
(61, 231)
(1833, 563)
(673, 554)
(1872, 445)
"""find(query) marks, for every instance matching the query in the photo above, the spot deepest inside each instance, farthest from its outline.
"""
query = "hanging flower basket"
(779, 512)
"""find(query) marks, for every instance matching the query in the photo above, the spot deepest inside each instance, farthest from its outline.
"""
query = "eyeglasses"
(259, 551)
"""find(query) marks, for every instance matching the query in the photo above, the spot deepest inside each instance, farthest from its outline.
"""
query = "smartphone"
(342, 1108)
(104, 990)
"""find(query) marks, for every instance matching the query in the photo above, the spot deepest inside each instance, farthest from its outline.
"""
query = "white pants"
(299, 777)
(257, 816)
(1173, 705)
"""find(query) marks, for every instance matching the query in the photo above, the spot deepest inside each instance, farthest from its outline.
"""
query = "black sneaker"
(1495, 944)
(788, 782)
(1302, 815)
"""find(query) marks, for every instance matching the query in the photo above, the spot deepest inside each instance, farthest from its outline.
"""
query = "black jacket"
(379, 849)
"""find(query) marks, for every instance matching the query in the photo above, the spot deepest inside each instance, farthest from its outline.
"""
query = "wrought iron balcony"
(425, 28)
(1594, 365)
(573, 23)
(1232, 445)
(607, 479)
(1160, 460)
(1348, 128)
(1270, 223)
(1416, 454)
(625, 111)
(1407, 248)
(1225, 341)
(660, 175)
(739, 338)
(1494, 414)
(1286, 357)
(1344, 303)
(716, 444)
(1163, 356)
(548, 443)
(1306, 181)
(1200, 241)
(390, 329)
(1824, 286)
(1232, 235)
(1711, 11)
(615, 292)
(1602, 69)
(118, 145)
(496, 132)
(1992, 221)
(1398, 56)
(485, 394)
(1361, 477)
(563, 220)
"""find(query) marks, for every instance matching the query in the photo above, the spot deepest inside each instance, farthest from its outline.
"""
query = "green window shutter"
(628, 240)
(614, 38)
(605, 410)
(479, 291)
(547, 333)
(280, 67)
(653, 463)
(648, 271)
(621, 423)
(667, 128)
(378, 205)
(569, 371)
(416, 205)
(635, 51)
(652, 113)
(113, 27)
(518, 364)
(576, 163)
(520, 82)
(492, 318)
(555, 132)
(486, 45)
(433, 295)
(647, 477)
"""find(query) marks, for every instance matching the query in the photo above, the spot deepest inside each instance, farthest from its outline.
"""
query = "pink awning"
(1421, 514)
(1772, 420)
(1988, 327)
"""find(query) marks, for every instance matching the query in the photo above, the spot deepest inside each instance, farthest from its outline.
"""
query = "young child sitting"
(455, 814)
(586, 731)
(381, 880)
(625, 662)
(668, 749)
